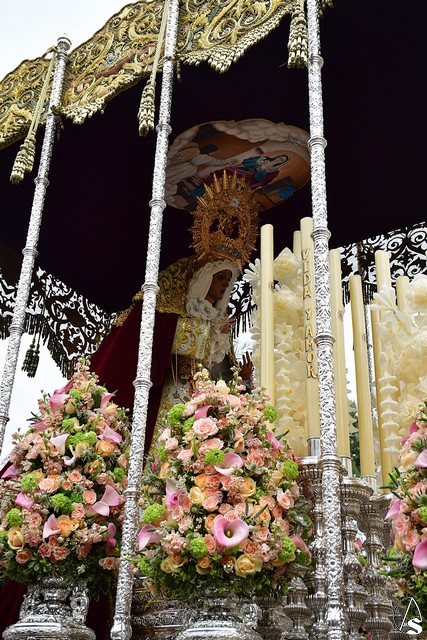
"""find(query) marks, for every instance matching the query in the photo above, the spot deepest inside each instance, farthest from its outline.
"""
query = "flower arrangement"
(408, 513)
(61, 495)
(221, 504)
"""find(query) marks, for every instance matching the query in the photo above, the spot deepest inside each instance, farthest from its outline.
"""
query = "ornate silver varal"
(53, 609)
(272, 621)
(157, 618)
(330, 463)
(121, 629)
(30, 251)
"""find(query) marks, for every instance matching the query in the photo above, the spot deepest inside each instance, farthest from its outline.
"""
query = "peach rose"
(75, 476)
(48, 485)
(200, 480)
(210, 503)
(173, 564)
(15, 538)
(89, 496)
(22, 556)
(247, 565)
(196, 496)
(247, 487)
(209, 520)
(285, 498)
(203, 565)
(66, 525)
(104, 448)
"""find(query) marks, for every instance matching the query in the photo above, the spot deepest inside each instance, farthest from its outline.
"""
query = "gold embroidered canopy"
(123, 52)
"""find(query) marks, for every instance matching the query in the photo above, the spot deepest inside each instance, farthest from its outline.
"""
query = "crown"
(225, 220)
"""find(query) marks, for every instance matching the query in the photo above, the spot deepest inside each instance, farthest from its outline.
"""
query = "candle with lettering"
(363, 392)
(340, 374)
(267, 311)
(307, 257)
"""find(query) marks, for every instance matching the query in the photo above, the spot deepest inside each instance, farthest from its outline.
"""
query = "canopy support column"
(121, 629)
(329, 461)
(30, 250)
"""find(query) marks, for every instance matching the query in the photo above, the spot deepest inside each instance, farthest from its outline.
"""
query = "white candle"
(307, 257)
(340, 374)
(363, 392)
(267, 311)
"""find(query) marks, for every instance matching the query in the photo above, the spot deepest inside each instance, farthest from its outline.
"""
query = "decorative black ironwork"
(66, 322)
(407, 249)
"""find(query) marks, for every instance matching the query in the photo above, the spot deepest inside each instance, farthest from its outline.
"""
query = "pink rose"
(89, 496)
(285, 498)
(205, 428)
(75, 476)
(211, 503)
(47, 485)
(171, 444)
(60, 553)
(45, 550)
(22, 556)
(184, 454)
(411, 539)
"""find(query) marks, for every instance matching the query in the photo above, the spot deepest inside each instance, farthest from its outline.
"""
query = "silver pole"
(121, 629)
(30, 250)
(330, 463)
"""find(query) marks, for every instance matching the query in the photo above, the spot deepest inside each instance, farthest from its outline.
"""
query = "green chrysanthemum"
(288, 550)
(214, 456)
(29, 483)
(153, 514)
(198, 548)
(175, 415)
(14, 518)
(270, 413)
(422, 512)
(119, 474)
(290, 469)
(187, 424)
(60, 502)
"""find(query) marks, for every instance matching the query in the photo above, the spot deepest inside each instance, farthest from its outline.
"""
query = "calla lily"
(40, 426)
(68, 461)
(419, 559)
(413, 428)
(276, 445)
(66, 388)
(57, 400)
(23, 501)
(109, 435)
(202, 412)
(230, 533)
(110, 499)
(105, 398)
(394, 509)
(59, 443)
(421, 461)
(172, 495)
(299, 543)
(111, 532)
(11, 472)
(147, 535)
(51, 527)
(231, 462)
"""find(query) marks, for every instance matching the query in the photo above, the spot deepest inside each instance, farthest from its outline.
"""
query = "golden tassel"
(146, 111)
(24, 160)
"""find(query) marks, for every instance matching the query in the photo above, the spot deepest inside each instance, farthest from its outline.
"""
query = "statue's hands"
(227, 326)
(246, 367)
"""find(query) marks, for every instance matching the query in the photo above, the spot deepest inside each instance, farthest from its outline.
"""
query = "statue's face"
(220, 283)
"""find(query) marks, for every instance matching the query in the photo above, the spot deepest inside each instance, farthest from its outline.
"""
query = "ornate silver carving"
(154, 617)
(121, 629)
(53, 609)
(273, 619)
(311, 476)
(354, 492)
(330, 464)
(30, 250)
(297, 610)
(378, 604)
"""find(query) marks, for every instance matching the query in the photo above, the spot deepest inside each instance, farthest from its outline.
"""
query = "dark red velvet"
(116, 359)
